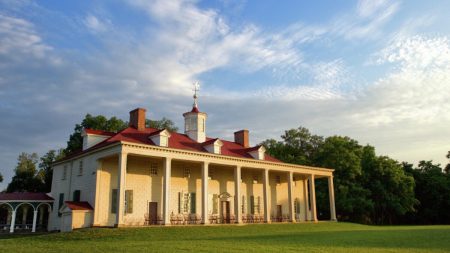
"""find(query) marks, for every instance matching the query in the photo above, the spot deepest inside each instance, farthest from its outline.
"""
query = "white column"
(98, 192)
(266, 196)
(34, 221)
(306, 200)
(13, 222)
(121, 177)
(312, 196)
(205, 167)
(331, 194)
(237, 194)
(290, 198)
(166, 190)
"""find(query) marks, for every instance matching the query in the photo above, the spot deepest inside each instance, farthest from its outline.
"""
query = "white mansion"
(142, 176)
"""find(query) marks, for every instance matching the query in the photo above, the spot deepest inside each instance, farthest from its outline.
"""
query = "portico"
(205, 188)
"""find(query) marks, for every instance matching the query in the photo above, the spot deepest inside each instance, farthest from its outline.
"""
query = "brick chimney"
(137, 119)
(241, 137)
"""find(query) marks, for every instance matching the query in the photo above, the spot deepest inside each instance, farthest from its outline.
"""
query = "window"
(153, 169)
(114, 201)
(80, 168)
(64, 174)
(255, 178)
(215, 209)
(258, 205)
(278, 179)
(187, 173)
(60, 202)
(186, 202)
(252, 204)
(128, 201)
(243, 204)
(210, 173)
(297, 206)
(76, 195)
(202, 125)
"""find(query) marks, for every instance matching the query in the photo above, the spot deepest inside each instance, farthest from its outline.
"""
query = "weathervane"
(196, 89)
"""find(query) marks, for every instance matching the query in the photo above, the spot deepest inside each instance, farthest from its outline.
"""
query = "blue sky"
(377, 71)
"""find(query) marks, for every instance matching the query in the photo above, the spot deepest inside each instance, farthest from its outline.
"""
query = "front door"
(279, 213)
(153, 212)
(226, 211)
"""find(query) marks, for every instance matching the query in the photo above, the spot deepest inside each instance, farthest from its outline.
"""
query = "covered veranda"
(24, 212)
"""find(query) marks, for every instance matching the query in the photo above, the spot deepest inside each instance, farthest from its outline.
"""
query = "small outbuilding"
(24, 211)
(75, 215)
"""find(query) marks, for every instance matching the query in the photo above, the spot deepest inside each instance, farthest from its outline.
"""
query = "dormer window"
(160, 138)
(257, 152)
(213, 146)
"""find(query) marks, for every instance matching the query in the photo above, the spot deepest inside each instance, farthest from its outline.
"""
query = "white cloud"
(95, 25)
(18, 37)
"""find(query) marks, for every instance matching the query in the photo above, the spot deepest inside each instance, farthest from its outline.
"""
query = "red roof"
(99, 132)
(195, 109)
(83, 205)
(176, 141)
(24, 196)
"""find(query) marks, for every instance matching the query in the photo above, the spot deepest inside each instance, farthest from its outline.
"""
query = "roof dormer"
(213, 146)
(257, 152)
(92, 137)
(160, 138)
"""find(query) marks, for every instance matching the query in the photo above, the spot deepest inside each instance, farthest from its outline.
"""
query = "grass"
(321, 237)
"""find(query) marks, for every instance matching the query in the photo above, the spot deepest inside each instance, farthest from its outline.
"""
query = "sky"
(377, 71)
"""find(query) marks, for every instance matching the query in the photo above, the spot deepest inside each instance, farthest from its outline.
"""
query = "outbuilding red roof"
(82, 205)
(25, 196)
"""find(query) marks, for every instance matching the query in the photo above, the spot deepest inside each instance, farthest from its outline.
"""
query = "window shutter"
(215, 204)
(193, 202)
(60, 203)
(129, 201)
(114, 201)
(258, 203)
(243, 204)
(252, 204)
(180, 196)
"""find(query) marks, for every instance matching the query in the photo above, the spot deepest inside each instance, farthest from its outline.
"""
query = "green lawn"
(321, 237)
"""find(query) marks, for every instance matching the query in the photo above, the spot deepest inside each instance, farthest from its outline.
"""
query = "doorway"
(225, 211)
(153, 212)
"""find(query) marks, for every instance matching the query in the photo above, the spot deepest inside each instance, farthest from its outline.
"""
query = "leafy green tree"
(299, 146)
(344, 156)
(392, 190)
(26, 178)
(433, 192)
(161, 124)
(45, 166)
(98, 122)
(447, 168)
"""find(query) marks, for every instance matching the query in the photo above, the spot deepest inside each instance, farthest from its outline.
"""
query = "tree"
(447, 168)
(433, 192)
(391, 189)
(1, 177)
(344, 156)
(161, 124)
(45, 166)
(98, 122)
(26, 178)
(299, 146)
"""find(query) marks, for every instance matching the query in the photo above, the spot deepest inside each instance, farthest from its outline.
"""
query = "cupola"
(195, 121)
